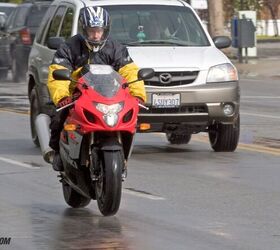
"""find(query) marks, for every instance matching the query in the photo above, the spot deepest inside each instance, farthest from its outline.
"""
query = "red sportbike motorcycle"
(97, 138)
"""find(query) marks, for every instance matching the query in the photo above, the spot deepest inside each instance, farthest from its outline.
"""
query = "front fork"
(100, 142)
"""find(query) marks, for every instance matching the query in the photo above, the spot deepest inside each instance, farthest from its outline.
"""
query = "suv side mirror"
(54, 42)
(222, 42)
(62, 74)
(145, 73)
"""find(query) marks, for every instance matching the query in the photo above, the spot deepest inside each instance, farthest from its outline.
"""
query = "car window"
(7, 10)
(67, 23)
(55, 23)
(10, 20)
(20, 17)
(45, 23)
(35, 15)
(156, 24)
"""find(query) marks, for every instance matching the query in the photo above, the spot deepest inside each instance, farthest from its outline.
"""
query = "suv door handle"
(39, 59)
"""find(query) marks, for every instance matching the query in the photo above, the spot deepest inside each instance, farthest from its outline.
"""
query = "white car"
(195, 88)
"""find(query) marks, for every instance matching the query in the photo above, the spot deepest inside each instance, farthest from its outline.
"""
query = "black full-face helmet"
(95, 17)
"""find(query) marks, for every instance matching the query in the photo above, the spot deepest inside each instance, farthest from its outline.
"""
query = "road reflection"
(82, 229)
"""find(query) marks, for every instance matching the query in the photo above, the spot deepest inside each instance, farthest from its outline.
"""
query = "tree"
(216, 17)
(273, 7)
(232, 6)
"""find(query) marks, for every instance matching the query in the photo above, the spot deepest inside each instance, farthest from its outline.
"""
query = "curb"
(268, 40)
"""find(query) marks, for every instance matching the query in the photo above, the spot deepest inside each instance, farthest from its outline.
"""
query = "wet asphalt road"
(175, 197)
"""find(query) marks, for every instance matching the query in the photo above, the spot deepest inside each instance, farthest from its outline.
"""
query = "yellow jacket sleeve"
(129, 72)
(60, 88)
(57, 89)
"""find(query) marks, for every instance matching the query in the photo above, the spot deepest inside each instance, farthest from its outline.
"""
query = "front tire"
(34, 112)
(224, 137)
(73, 198)
(109, 186)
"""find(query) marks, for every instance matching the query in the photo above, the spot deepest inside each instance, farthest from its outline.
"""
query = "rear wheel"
(109, 184)
(3, 74)
(73, 198)
(34, 112)
(224, 137)
(177, 138)
(17, 72)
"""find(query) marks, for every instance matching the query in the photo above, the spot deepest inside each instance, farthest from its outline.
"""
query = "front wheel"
(224, 137)
(109, 184)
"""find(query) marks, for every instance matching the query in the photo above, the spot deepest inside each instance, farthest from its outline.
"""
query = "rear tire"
(109, 186)
(17, 73)
(34, 112)
(177, 138)
(224, 137)
(73, 198)
(3, 74)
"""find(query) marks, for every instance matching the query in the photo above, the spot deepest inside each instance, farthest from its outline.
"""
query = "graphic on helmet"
(95, 22)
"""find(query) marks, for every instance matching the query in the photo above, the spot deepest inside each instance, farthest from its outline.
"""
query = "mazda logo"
(165, 78)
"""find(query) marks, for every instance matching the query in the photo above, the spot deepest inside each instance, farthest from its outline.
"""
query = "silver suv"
(195, 88)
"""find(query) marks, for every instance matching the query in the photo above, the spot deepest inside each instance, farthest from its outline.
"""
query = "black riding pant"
(56, 126)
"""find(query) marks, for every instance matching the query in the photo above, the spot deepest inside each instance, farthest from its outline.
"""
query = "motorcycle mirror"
(145, 73)
(62, 74)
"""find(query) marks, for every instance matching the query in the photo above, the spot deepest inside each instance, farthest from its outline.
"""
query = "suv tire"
(178, 138)
(34, 111)
(3, 74)
(224, 137)
(17, 74)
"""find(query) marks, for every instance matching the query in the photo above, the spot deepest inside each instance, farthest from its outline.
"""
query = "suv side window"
(67, 24)
(10, 20)
(55, 23)
(20, 17)
(44, 23)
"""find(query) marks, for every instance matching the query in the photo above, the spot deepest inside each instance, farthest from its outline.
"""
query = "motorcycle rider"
(91, 46)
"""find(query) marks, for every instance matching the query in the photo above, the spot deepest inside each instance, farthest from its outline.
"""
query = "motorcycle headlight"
(109, 109)
(110, 112)
(222, 73)
(111, 119)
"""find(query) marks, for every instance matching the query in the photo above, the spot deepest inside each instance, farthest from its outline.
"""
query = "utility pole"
(216, 17)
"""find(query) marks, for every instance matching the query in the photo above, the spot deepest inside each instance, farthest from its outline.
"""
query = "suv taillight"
(25, 36)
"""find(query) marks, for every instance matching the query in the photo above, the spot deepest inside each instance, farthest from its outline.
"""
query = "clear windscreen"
(103, 79)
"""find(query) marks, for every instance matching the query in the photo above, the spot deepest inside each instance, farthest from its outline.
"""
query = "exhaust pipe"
(42, 123)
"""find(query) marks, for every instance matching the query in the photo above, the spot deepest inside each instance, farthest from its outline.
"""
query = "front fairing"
(101, 84)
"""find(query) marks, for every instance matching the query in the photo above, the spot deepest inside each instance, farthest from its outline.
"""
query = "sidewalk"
(266, 65)
(259, 68)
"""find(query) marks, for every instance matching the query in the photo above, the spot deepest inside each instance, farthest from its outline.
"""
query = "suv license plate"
(166, 100)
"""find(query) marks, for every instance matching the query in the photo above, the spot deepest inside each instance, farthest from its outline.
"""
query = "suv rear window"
(36, 15)
(170, 25)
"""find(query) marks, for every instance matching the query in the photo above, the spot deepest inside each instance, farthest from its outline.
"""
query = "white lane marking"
(143, 195)
(260, 115)
(260, 97)
(20, 164)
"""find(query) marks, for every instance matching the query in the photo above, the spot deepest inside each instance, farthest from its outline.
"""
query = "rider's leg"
(56, 126)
